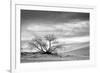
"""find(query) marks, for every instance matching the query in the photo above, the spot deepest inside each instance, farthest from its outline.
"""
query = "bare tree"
(43, 47)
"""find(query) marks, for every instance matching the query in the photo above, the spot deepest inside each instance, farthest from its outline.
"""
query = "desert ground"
(79, 54)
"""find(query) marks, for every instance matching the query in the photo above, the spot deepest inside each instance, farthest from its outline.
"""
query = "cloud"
(72, 40)
(40, 28)
(32, 16)
(79, 28)
(62, 24)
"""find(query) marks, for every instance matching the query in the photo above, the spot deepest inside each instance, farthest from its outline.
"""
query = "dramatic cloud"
(33, 16)
(80, 28)
(61, 24)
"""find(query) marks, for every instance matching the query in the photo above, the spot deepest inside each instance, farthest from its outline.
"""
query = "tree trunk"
(49, 45)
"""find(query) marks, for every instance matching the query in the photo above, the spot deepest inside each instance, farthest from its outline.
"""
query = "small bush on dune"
(46, 47)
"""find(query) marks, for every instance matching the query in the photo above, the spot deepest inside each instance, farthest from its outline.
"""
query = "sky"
(62, 24)
(66, 26)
